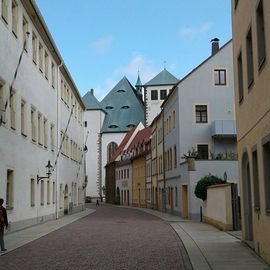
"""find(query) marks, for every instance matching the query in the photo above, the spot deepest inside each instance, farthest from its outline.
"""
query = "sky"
(101, 41)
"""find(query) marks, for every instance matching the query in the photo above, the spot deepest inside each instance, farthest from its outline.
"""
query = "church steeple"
(138, 86)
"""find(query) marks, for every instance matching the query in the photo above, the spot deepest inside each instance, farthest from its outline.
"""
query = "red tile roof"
(123, 144)
(142, 137)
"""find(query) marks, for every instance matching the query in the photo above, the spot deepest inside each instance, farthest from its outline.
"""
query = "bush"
(203, 183)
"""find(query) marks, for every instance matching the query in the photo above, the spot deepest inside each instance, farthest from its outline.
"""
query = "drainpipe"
(58, 136)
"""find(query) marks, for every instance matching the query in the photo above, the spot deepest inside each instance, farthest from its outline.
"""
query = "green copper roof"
(123, 108)
(90, 101)
(138, 83)
(163, 78)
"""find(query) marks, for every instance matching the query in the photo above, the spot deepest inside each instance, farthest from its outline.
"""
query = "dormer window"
(125, 107)
(109, 107)
(113, 126)
(121, 91)
(130, 125)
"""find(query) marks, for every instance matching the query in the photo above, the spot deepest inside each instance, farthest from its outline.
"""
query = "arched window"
(110, 150)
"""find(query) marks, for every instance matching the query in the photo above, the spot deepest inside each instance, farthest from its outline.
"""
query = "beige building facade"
(251, 47)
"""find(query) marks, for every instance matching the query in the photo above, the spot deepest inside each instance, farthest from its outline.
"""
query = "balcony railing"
(223, 129)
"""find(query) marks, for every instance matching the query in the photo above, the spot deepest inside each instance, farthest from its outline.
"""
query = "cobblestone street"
(110, 238)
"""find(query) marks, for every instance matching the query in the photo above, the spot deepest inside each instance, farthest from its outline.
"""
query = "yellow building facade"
(251, 50)
(138, 183)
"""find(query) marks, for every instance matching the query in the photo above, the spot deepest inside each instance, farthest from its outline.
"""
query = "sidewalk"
(210, 248)
(17, 239)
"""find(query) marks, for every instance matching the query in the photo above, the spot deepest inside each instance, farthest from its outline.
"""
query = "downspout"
(57, 137)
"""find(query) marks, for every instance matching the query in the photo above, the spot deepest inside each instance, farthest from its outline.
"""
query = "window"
(175, 157)
(41, 192)
(12, 110)
(23, 118)
(220, 76)
(240, 78)
(45, 132)
(163, 94)
(201, 113)
(5, 10)
(41, 56)
(235, 3)
(25, 27)
(109, 107)
(176, 197)
(48, 192)
(40, 129)
(53, 74)
(10, 183)
(85, 123)
(154, 94)
(2, 104)
(202, 150)
(250, 72)
(46, 65)
(256, 188)
(34, 48)
(260, 34)
(266, 170)
(33, 124)
(173, 119)
(14, 12)
(32, 192)
(110, 150)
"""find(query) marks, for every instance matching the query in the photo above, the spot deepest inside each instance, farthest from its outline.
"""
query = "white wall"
(94, 120)
(18, 152)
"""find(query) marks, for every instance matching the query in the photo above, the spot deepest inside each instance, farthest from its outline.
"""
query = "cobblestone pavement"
(111, 238)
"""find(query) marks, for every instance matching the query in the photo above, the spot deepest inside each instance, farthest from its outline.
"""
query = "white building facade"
(35, 111)
(199, 115)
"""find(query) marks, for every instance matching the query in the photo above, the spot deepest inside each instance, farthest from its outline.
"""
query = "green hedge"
(203, 183)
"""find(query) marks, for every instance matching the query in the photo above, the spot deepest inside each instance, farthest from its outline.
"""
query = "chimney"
(215, 45)
(92, 91)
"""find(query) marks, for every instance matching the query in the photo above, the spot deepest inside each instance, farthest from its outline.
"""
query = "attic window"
(130, 125)
(113, 126)
(125, 107)
(109, 107)
(121, 91)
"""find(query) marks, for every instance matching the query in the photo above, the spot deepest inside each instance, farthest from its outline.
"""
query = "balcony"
(223, 129)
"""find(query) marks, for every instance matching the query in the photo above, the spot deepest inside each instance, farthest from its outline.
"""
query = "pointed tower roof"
(124, 109)
(90, 101)
(163, 78)
(138, 83)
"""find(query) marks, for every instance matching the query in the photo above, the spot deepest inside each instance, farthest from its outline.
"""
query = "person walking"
(3, 224)
(97, 203)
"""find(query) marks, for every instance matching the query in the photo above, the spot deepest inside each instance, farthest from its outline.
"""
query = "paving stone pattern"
(111, 238)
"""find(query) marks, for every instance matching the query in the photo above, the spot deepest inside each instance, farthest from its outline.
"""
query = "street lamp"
(49, 172)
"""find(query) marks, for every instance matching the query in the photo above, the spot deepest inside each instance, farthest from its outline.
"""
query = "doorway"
(247, 203)
(184, 201)
(66, 200)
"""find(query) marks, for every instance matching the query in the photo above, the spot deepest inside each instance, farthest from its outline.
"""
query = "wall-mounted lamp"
(49, 172)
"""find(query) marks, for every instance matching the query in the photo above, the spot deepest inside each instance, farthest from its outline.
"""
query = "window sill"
(32, 205)
(35, 61)
(9, 207)
(24, 135)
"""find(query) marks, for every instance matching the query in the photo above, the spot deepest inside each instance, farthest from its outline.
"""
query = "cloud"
(195, 31)
(101, 45)
(146, 67)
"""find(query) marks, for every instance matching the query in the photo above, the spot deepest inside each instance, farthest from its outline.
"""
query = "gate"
(235, 208)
